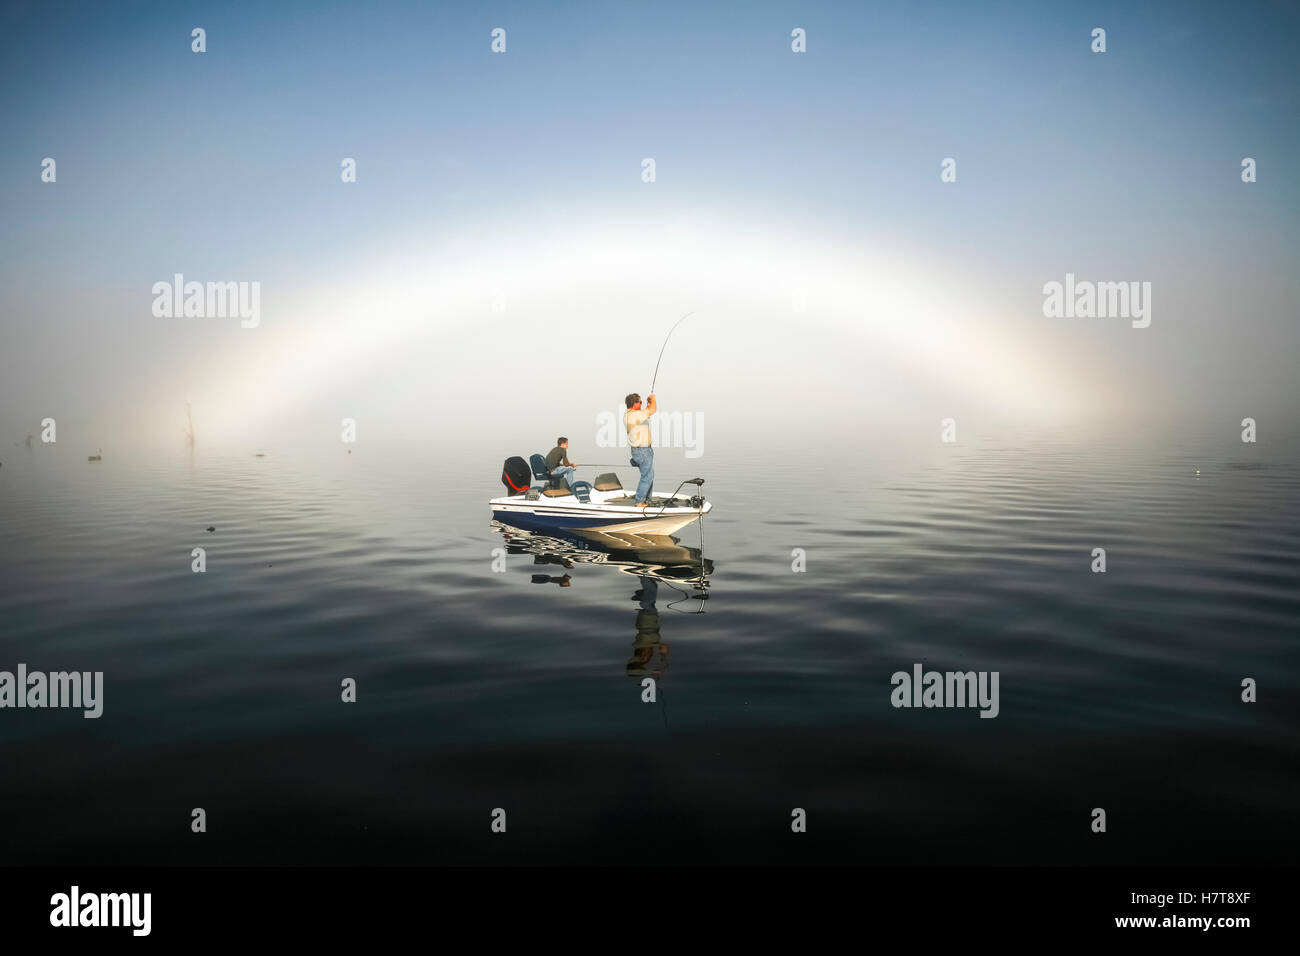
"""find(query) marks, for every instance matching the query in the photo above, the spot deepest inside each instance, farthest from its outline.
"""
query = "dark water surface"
(479, 689)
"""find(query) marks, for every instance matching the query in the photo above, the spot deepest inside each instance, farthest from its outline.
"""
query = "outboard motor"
(516, 476)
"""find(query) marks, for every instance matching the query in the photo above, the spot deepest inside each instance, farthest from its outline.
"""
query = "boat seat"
(556, 492)
(538, 464)
(541, 473)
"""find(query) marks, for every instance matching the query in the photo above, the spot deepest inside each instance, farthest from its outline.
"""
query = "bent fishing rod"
(661, 352)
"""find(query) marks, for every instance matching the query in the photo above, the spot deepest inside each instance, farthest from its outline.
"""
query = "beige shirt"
(638, 432)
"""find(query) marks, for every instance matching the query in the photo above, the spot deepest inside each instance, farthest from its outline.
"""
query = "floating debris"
(212, 527)
(259, 455)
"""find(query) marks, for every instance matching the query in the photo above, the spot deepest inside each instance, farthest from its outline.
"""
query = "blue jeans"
(644, 458)
(564, 471)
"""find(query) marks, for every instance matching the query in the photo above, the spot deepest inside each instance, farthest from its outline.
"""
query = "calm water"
(521, 689)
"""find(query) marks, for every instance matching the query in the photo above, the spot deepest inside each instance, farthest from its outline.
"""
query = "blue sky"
(847, 136)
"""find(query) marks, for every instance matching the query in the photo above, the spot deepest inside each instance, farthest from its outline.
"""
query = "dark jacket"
(556, 457)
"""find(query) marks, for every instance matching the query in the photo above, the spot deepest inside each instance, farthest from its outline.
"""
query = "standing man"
(558, 464)
(638, 437)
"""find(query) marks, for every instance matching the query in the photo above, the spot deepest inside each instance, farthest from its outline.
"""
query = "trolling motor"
(697, 501)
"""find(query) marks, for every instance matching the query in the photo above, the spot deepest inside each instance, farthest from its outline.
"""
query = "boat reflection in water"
(655, 560)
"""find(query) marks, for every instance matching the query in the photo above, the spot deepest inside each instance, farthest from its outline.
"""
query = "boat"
(535, 502)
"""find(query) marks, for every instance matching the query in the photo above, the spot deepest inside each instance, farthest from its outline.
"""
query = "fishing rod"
(606, 464)
(661, 351)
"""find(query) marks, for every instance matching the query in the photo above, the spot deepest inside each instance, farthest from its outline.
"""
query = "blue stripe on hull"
(534, 522)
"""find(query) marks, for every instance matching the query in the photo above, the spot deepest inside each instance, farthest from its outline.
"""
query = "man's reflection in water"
(649, 652)
(564, 581)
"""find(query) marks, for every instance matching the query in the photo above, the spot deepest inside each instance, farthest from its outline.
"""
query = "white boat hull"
(567, 513)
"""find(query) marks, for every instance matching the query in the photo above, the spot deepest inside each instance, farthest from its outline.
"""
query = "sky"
(499, 265)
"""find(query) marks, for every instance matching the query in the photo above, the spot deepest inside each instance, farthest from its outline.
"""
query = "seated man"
(558, 464)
